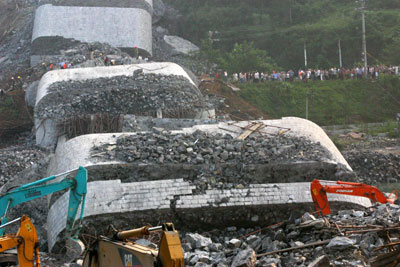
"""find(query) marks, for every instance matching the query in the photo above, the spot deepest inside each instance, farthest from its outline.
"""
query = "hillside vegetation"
(330, 102)
(282, 27)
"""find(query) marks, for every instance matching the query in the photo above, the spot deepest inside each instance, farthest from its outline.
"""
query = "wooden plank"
(249, 131)
(384, 260)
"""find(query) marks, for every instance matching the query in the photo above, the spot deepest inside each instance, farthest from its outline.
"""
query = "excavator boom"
(28, 192)
(321, 203)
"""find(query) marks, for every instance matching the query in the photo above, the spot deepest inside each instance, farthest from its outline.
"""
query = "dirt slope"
(226, 101)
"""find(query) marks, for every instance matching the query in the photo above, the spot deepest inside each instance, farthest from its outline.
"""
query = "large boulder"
(180, 45)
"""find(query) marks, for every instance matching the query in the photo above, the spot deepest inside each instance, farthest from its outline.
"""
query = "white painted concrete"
(120, 27)
(113, 197)
(81, 74)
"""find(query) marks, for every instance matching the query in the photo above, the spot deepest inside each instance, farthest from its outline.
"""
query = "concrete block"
(59, 27)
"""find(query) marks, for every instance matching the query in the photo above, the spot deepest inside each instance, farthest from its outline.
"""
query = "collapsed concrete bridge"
(197, 174)
(151, 89)
(256, 181)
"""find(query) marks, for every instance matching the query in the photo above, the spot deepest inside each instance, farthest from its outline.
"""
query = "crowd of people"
(313, 74)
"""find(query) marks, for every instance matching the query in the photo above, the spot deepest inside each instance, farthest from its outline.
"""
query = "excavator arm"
(25, 240)
(28, 192)
(320, 199)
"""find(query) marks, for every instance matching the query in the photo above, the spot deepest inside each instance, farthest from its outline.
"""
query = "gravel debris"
(353, 249)
(17, 158)
(137, 94)
(373, 167)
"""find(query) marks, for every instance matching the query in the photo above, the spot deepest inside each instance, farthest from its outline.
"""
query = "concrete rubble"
(138, 94)
(83, 55)
(17, 158)
(374, 167)
(238, 247)
(217, 153)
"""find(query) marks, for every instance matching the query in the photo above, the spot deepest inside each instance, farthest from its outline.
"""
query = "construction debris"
(289, 244)
(374, 167)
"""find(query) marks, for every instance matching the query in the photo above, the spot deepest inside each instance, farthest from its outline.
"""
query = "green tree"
(392, 52)
(245, 57)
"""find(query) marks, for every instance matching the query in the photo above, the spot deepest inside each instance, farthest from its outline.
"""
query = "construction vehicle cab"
(320, 199)
(25, 240)
(119, 252)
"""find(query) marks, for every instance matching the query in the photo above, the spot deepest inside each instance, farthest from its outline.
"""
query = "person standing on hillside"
(359, 73)
(256, 77)
(235, 77)
(241, 77)
(136, 52)
(291, 75)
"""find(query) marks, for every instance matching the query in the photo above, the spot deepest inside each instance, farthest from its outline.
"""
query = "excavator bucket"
(319, 198)
(171, 253)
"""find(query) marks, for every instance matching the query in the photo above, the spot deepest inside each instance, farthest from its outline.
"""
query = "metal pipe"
(13, 221)
(155, 229)
(46, 179)
(5, 212)
(138, 232)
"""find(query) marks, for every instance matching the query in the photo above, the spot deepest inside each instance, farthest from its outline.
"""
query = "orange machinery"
(318, 193)
(118, 251)
(25, 240)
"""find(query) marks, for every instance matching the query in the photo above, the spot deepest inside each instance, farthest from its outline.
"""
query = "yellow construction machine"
(118, 251)
(26, 242)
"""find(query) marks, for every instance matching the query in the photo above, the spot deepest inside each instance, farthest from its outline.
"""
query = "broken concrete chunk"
(340, 243)
(245, 258)
(317, 223)
(308, 217)
(198, 241)
(234, 243)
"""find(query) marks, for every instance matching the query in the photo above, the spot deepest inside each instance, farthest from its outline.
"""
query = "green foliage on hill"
(281, 27)
(330, 102)
(243, 57)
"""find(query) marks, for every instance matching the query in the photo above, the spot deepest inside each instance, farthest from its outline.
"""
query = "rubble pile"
(374, 167)
(17, 158)
(85, 55)
(137, 94)
(203, 148)
(348, 238)
(16, 31)
(216, 160)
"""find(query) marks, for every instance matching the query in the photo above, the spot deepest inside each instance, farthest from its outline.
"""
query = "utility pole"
(305, 55)
(340, 55)
(307, 95)
(364, 42)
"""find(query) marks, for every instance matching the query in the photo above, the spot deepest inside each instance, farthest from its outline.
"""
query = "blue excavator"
(43, 187)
